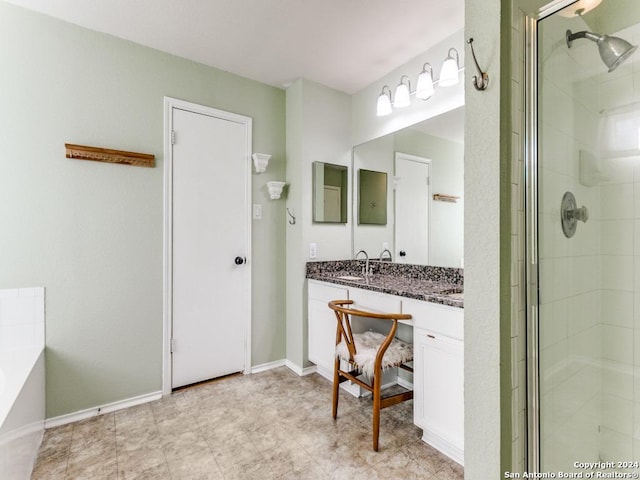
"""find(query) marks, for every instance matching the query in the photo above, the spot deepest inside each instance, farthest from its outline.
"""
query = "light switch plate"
(257, 211)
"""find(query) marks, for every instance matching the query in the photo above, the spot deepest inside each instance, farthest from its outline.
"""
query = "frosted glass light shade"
(384, 103)
(402, 98)
(424, 87)
(384, 106)
(449, 72)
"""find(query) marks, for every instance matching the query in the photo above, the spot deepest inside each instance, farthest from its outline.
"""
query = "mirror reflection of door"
(412, 200)
(329, 193)
(332, 197)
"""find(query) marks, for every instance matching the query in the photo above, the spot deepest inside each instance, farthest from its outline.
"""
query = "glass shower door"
(588, 237)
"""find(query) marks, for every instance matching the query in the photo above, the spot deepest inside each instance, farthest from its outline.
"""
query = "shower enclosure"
(583, 241)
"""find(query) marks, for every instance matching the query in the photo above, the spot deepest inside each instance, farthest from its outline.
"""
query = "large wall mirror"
(330, 189)
(424, 166)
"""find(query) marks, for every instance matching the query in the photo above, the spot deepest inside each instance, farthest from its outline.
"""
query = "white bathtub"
(21, 411)
(22, 380)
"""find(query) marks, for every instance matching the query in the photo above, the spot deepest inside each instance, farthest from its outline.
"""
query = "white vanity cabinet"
(438, 333)
(322, 325)
(439, 375)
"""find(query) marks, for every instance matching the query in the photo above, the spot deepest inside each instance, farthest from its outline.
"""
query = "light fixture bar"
(425, 85)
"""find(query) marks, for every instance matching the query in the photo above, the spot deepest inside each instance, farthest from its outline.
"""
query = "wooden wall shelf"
(440, 197)
(82, 152)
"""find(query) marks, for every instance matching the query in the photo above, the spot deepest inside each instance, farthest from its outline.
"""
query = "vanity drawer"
(375, 302)
(438, 318)
(326, 293)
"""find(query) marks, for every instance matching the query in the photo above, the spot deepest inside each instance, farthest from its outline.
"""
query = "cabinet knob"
(239, 260)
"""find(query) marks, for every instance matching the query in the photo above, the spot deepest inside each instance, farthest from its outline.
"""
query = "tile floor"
(270, 425)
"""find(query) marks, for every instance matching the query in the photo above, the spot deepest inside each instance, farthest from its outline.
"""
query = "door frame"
(167, 269)
(530, 233)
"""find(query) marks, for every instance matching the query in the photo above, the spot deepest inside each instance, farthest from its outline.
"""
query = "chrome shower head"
(613, 50)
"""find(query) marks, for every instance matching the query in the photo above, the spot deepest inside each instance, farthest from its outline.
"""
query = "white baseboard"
(100, 410)
(404, 383)
(23, 431)
(446, 447)
(300, 371)
(267, 366)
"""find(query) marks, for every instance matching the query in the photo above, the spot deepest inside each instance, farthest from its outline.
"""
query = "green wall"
(486, 205)
(91, 232)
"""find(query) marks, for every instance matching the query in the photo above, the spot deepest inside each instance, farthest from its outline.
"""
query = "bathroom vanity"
(434, 298)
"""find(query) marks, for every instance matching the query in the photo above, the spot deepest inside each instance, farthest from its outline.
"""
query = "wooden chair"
(368, 354)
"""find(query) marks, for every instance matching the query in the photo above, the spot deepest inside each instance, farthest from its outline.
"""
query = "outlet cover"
(313, 250)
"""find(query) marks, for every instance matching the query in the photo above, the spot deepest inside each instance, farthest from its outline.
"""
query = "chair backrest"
(344, 331)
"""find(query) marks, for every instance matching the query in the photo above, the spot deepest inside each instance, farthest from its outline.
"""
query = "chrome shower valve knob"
(570, 214)
(581, 214)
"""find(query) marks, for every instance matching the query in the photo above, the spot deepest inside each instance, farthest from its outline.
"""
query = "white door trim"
(169, 105)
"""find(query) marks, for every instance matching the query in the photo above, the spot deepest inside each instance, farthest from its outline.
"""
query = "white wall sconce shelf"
(261, 160)
(275, 189)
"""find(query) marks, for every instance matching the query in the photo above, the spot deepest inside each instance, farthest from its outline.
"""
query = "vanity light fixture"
(402, 93)
(449, 72)
(275, 189)
(384, 102)
(260, 160)
(424, 86)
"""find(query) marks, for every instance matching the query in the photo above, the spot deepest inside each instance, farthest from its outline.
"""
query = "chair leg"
(336, 388)
(376, 409)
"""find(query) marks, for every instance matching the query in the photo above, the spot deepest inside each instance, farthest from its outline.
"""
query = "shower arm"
(583, 34)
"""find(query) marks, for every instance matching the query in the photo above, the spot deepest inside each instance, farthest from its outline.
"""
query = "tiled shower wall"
(21, 318)
(518, 286)
(590, 328)
(619, 93)
(570, 268)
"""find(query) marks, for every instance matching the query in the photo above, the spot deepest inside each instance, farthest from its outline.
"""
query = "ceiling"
(342, 44)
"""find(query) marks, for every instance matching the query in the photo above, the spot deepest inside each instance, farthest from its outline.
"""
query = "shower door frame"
(532, 265)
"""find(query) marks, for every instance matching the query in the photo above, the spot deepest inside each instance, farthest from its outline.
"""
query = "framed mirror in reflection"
(372, 195)
(330, 193)
(419, 161)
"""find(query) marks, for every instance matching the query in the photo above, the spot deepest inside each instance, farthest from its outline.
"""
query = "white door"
(412, 209)
(210, 243)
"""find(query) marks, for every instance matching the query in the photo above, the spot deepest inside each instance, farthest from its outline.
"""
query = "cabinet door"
(439, 401)
(322, 326)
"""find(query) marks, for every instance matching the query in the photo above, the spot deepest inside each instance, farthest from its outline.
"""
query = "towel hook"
(293, 219)
(483, 75)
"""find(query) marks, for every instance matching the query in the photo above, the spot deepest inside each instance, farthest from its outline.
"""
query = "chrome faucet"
(365, 270)
(386, 250)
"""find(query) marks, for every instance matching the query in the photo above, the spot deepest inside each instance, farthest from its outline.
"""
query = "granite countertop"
(431, 284)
